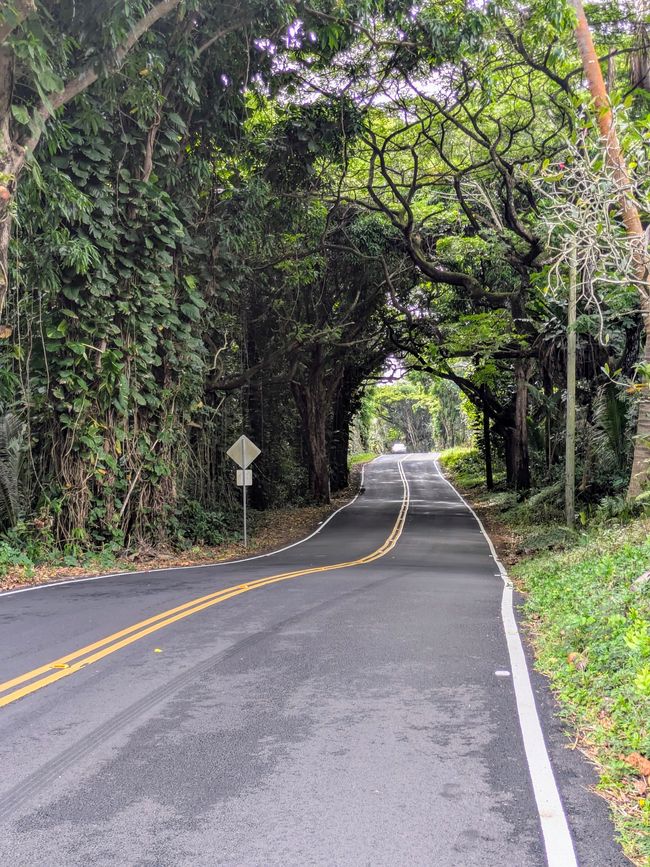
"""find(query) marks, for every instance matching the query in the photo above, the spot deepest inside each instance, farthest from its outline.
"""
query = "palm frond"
(11, 452)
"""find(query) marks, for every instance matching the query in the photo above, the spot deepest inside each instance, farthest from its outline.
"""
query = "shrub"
(465, 464)
(11, 557)
(195, 525)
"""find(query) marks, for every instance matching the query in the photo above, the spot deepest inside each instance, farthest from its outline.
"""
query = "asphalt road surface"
(377, 713)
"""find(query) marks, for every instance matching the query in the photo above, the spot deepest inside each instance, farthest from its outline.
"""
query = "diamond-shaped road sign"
(243, 452)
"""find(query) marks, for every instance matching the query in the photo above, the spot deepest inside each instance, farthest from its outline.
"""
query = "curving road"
(360, 698)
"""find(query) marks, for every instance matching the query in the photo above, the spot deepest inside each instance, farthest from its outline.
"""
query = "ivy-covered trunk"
(5, 237)
(313, 396)
(521, 463)
(10, 165)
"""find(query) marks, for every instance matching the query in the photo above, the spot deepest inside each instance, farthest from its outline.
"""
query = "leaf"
(50, 81)
(639, 763)
(191, 311)
(21, 114)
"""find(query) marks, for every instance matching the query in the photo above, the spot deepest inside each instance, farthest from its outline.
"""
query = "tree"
(632, 220)
(23, 121)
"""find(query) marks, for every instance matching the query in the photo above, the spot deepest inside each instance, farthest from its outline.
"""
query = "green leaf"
(21, 114)
(191, 311)
(50, 81)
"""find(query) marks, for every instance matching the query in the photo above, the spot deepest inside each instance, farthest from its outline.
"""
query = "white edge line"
(555, 827)
(197, 565)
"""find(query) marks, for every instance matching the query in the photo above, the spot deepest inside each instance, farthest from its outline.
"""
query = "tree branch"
(89, 74)
(229, 28)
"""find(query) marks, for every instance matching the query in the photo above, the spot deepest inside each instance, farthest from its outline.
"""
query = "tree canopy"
(220, 217)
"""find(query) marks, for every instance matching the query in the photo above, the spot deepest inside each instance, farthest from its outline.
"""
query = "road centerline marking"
(64, 666)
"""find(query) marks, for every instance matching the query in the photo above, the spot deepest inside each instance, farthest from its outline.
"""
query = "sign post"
(243, 453)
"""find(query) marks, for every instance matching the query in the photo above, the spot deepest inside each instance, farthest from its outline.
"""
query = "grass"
(465, 465)
(587, 613)
(361, 458)
(589, 616)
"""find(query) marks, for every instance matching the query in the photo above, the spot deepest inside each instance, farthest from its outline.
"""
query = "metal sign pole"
(243, 453)
(243, 463)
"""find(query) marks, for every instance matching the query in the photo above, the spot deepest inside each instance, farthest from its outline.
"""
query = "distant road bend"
(360, 698)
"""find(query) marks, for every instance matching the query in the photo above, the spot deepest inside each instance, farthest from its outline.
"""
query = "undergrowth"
(28, 546)
(589, 613)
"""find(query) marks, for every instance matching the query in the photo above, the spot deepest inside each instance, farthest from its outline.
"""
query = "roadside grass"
(361, 458)
(587, 615)
(465, 465)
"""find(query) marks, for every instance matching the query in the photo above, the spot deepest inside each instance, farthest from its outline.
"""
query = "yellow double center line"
(24, 684)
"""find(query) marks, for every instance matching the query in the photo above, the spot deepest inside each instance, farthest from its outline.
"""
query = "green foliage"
(361, 458)
(591, 619)
(418, 411)
(193, 524)
(205, 214)
(544, 506)
(11, 557)
(465, 465)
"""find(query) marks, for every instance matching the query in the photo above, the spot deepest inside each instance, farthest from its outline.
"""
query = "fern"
(11, 451)
(611, 422)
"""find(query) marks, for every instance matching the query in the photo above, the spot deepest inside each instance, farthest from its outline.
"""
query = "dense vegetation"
(224, 217)
(419, 411)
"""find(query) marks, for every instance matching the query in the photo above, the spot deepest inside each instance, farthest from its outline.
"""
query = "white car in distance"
(398, 448)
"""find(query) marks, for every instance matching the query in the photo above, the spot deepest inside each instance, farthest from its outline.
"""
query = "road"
(369, 714)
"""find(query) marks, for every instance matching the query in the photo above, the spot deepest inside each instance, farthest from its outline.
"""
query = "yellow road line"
(72, 662)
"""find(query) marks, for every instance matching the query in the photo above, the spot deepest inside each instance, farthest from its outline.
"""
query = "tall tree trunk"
(313, 399)
(641, 457)
(487, 445)
(339, 471)
(521, 465)
(312, 406)
(5, 237)
(547, 382)
(258, 495)
(509, 455)
(570, 448)
(632, 220)
(340, 440)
